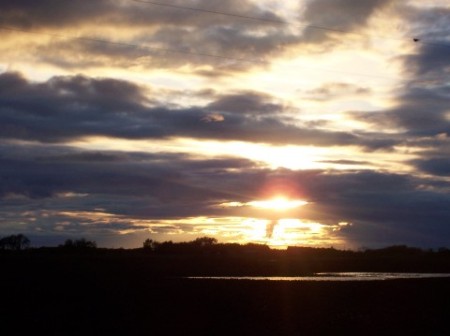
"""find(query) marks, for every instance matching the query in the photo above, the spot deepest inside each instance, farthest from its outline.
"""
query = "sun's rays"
(279, 203)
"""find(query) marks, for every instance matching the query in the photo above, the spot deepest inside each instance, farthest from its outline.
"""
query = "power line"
(247, 17)
(197, 9)
(285, 22)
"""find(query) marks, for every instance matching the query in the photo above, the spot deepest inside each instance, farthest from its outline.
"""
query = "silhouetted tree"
(205, 241)
(148, 244)
(14, 242)
(68, 243)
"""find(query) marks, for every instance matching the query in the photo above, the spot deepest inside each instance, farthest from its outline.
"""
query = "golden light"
(278, 204)
(290, 231)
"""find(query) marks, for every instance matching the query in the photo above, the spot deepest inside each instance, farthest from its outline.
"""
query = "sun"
(278, 203)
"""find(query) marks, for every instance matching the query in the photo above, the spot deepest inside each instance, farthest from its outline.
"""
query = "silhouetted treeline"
(79, 244)
(205, 246)
(14, 242)
(206, 256)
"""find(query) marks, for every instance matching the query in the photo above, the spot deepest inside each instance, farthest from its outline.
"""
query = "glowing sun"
(278, 203)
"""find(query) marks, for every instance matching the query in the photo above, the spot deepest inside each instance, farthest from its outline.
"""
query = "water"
(333, 276)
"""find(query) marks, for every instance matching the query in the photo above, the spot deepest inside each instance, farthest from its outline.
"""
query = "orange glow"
(279, 204)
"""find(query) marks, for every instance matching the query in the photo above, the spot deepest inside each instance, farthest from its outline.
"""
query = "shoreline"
(331, 276)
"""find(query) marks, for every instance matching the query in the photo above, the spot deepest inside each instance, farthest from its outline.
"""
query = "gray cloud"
(169, 37)
(429, 24)
(37, 172)
(347, 162)
(384, 208)
(64, 13)
(435, 166)
(65, 108)
(422, 110)
(249, 103)
(330, 91)
(48, 186)
(342, 15)
(430, 64)
(158, 36)
(42, 184)
(51, 13)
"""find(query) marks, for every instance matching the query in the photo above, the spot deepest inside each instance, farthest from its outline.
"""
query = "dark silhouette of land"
(79, 289)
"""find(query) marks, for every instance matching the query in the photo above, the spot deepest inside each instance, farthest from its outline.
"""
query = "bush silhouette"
(148, 245)
(79, 244)
(14, 242)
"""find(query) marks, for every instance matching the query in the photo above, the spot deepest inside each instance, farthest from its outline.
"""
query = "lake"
(332, 276)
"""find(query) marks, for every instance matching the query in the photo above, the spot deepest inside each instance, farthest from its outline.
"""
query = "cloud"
(67, 108)
(347, 162)
(428, 24)
(421, 113)
(65, 13)
(151, 36)
(436, 166)
(384, 208)
(341, 15)
(54, 13)
(37, 172)
(48, 187)
(154, 37)
(246, 103)
(334, 90)
(430, 64)
(79, 37)
(118, 191)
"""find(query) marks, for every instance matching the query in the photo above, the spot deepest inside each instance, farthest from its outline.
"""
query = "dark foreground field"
(40, 296)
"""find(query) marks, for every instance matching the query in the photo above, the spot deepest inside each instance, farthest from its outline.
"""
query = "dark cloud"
(423, 113)
(157, 36)
(420, 112)
(435, 166)
(429, 24)
(32, 173)
(341, 15)
(110, 191)
(430, 64)
(52, 189)
(250, 103)
(384, 208)
(50, 13)
(64, 13)
(65, 108)
(163, 37)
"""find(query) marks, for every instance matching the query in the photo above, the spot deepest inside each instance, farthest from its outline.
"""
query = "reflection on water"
(333, 276)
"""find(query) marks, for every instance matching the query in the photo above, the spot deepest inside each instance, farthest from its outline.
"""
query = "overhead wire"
(415, 39)
(208, 11)
(247, 17)
(217, 56)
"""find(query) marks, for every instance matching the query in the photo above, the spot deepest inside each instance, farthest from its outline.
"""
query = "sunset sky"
(296, 122)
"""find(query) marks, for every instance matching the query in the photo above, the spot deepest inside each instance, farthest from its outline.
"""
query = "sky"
(300, 122)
